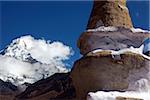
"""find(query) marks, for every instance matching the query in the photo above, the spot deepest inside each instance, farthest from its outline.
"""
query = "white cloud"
(16, 64)
(41, 50)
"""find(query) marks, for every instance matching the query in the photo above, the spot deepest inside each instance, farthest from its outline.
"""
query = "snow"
(135, 30)
(28, 59)
(98, 50)
(19, 72)
(112, 28)
(122, 51)
(123, 7)
(43, 51)
(104, 29)
(101, 95)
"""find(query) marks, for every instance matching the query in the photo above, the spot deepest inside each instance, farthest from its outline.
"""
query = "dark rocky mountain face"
(58, 86)
(7, 88)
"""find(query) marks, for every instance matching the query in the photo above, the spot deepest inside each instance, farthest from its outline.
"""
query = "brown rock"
(8, 91)
(109, 13)
(102, 72)
(7, 97)
(114, 40)
(127, 98)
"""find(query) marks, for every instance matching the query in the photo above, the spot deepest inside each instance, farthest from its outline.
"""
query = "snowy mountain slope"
(28, 60)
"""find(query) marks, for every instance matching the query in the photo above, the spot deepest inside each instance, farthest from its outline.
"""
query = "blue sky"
(62, 21)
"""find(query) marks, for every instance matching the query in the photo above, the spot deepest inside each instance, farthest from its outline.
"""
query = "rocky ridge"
(8, 90)
(57, 87)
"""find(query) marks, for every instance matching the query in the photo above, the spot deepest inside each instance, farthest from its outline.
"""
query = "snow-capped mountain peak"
(28, 60)
(27, 47)
(20, 49)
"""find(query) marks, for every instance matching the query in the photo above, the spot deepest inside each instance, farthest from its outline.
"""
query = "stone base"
(105, 73)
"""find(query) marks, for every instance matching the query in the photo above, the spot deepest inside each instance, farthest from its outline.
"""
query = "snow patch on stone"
(135, 30)
(103, 29)
(101, 95)
(123, 7)
(122, 51)
(112, 28)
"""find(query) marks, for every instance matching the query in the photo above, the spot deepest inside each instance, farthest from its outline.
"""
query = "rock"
(7, 87)
(7, 90)
(101, 72)
(127, 98)
(58, 86)
(109, 13)
(110, 40)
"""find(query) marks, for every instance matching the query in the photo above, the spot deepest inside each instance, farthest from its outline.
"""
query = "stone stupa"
(110, 28)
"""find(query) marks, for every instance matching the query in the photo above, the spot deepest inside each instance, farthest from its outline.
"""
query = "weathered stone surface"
(102, 72)
(58, 86)
(114, 40)
(109, 13)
